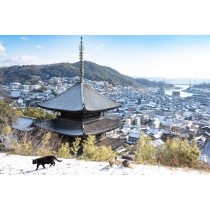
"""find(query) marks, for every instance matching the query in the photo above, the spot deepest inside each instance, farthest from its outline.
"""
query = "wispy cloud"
(40, 46)
(24, 38)
(21, 60)
(2, 49)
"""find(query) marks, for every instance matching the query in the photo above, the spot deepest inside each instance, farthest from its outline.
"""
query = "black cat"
(50, 159)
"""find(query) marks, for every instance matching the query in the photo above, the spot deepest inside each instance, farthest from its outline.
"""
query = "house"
(24, 124)
(134, 136)
(15, 94)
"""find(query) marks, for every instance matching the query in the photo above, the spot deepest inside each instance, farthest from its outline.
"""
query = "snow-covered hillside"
(158, 190)
(17, 165)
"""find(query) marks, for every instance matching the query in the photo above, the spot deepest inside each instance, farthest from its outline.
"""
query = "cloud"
(2, 49)
(24, 38)
(20, 60)
(40, 46)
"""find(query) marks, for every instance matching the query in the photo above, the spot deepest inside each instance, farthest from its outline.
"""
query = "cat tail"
(58, 160)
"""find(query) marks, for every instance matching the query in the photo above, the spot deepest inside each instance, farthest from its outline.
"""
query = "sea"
(181, 89)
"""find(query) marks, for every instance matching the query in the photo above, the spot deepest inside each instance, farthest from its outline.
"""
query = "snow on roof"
(157, 142)
(15, 93)
(157, 136)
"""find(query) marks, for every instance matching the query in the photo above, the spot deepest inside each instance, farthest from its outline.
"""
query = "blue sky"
(166, 56)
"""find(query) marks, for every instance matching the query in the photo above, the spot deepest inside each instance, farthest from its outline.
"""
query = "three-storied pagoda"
(81, 110)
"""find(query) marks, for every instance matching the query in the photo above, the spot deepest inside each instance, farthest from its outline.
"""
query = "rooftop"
(80, 97)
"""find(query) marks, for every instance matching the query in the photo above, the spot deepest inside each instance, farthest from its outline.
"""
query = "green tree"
(89, 149)
(8, 117)
(75, 146)
(64, 150)
(37, 113)
(46, 146)
(145, 151)
(179, 153)
(95, 153)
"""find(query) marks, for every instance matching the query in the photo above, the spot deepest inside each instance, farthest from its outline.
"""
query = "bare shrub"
(23, 148)
(39, 142)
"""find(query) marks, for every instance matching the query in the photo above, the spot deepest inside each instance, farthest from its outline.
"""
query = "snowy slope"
(18, 165)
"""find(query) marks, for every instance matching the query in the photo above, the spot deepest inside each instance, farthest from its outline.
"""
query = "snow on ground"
(22, 165)
(98, 192)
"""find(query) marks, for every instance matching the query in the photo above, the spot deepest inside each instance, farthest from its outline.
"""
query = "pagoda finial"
(81, 49)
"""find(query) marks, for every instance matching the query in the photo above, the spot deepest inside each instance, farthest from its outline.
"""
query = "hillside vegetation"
(31, 74)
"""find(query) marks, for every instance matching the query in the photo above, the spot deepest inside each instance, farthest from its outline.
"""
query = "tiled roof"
(79, 128)
(24, 124)
(79, 97)
(113, 142)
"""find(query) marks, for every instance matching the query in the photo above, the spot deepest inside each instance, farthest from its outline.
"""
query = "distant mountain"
(31, 74)
(146, 82)
(177, 81)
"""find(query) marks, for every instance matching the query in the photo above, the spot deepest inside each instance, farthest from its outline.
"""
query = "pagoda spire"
(81, 62)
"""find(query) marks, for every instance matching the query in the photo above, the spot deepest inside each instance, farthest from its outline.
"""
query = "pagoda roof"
(80, 97)
(70, 127)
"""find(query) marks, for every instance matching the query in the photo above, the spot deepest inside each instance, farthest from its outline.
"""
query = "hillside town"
(150, 110)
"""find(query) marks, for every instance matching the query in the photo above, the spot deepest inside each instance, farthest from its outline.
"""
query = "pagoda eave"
(84, 110)
(75, 128)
